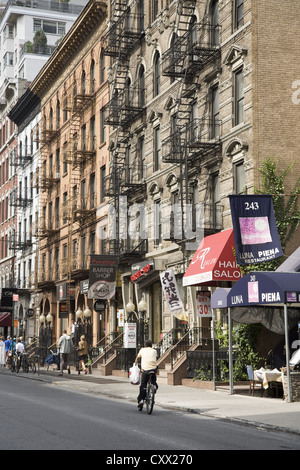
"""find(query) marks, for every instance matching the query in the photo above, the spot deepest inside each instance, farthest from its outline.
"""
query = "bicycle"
(150, 393)
(31, 365)
(25, 362)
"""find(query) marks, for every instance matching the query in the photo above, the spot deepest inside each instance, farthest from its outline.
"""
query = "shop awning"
(5, 319)
(263, 288)
(213, 261)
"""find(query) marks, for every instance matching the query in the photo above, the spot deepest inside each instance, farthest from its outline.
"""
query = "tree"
(40, 40)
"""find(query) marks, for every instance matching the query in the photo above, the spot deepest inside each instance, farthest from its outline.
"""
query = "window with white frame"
(50, 27)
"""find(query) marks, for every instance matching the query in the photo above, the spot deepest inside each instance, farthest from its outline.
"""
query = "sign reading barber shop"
(102, 277)
(255, 231)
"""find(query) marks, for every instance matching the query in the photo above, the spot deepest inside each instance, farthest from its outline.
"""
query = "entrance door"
(156, 311)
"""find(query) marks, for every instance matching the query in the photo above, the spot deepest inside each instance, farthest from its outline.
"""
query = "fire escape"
(127, 104)
(195, 47)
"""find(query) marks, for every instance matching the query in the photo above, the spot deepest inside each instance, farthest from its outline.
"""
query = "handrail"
(192, 337)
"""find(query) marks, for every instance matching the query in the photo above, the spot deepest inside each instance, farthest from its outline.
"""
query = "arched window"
(141, 80)
(92, 74)
(156, 64)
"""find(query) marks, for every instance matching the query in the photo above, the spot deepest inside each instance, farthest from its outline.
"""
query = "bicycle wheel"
(18, 364)
(25, 365)
(32, 366)
(150, 397)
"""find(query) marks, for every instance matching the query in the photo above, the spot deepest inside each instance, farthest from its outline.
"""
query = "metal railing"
(199, 364)
(195, 336)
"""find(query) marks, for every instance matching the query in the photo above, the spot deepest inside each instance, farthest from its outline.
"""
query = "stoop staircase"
(172, 363)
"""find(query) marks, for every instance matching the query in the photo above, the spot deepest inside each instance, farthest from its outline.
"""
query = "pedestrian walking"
(8, 345)
(83, 354)
(2, 354)
(64, 344)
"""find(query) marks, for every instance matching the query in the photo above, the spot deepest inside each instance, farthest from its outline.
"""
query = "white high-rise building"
(30, 30)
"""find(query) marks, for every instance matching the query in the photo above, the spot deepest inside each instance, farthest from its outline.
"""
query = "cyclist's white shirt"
(148, 356)
(20, 348)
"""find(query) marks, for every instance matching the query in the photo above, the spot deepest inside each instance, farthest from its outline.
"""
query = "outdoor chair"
(253, 382)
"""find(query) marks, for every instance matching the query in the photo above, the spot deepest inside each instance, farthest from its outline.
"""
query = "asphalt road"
(39, 416)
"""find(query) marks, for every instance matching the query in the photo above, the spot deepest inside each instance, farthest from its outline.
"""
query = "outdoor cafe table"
(268, 375)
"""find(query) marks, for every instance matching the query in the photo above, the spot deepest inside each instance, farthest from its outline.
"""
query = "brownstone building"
(73, 90)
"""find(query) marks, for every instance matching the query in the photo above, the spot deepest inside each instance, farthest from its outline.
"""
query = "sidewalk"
(267, 413)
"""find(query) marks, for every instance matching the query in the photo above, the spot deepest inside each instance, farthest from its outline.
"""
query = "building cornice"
(88, 21)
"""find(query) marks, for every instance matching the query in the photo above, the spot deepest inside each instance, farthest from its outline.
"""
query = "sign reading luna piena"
(255, 231)
(102, 277)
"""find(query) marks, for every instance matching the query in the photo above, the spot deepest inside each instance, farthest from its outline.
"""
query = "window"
(215, 22)
(102, 126)
(8, 59)
(65, 209)
(239, 177)
(50, 27)
(239, 97)
(216, 199)
(154, 9)
(58, 115)
(215, 112)
(239, 13)
(156, 74)
(93, 133)
(141, 10)
(157, 148)
(141, 157)
(102, 67)
(102, 179)
(93, 243)
(83, 83)
(157, 223)
(92, 191)
(141, 80)
(92, 73)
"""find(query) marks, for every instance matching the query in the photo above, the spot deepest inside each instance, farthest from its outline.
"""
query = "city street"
(40, 416)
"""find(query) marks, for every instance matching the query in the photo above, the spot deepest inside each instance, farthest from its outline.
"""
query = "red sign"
(213, 261)
(141, 272)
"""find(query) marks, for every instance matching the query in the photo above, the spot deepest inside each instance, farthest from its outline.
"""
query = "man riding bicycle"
(148, 364)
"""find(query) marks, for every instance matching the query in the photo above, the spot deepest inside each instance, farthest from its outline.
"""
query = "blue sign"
(254, 226)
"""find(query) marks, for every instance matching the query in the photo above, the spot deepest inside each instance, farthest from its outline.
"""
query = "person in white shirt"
(20, 347)
(148, 357)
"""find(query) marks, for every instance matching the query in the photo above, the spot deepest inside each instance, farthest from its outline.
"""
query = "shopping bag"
(134, 375)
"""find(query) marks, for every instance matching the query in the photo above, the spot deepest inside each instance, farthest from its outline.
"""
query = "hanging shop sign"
(102, 277)
(203, 304)
(62, 292)
(255, 231)
(99, 305)
(130, 335)
(7, 299)
(171, 291)
(141, 270)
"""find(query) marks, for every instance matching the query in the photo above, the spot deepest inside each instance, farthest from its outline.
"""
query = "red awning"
(5, 319)
(213, 261)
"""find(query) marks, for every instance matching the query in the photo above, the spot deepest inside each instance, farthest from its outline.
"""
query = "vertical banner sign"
(130, 335)
(102, 277)
(255, 231)
(203, 304)
(171, 292)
